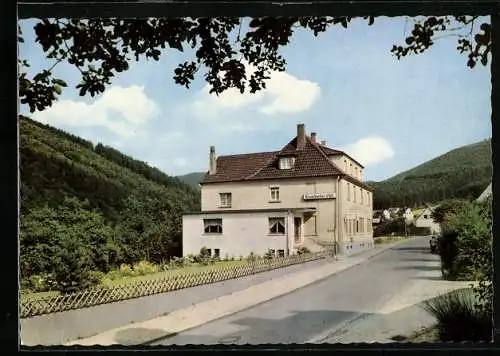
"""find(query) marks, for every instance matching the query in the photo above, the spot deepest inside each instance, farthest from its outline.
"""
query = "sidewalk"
(402, 314)
(206, 311)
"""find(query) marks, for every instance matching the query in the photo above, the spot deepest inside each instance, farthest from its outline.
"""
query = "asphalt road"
(318, 309)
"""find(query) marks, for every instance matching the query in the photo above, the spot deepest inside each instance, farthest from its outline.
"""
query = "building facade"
(425, 220)
(304, 195)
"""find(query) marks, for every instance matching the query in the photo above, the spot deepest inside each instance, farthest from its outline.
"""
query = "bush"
(251, 257)
(396, 226)
(447, 247)
(96, 277)
(458, 317)
(268, 255)
(126, 270)
(302, 250)
(467, 243)
(177, 262)
(144, 267)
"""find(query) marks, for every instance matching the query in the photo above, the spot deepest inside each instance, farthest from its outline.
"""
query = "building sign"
(318, 196)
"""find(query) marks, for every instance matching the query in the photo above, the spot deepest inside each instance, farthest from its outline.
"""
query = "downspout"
(287, 235)
(337, 235)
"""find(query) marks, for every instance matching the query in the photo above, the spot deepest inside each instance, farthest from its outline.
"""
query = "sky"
(345, 85)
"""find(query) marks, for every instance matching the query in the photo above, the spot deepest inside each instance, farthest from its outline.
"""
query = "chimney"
(212, 161)
(301, 136)
(323, 143)
(313, 137)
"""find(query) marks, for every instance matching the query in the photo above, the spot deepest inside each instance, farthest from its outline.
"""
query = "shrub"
(126, 270)
(458, 317)
(96, 277)
(469, 241)
(144, 267)
(268, 255)
(396, 226)
(251, 257)
(177, 262)
(302, 250)
(447, 247)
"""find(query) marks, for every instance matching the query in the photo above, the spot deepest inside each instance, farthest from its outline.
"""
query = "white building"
(304, 195)
(425, 220)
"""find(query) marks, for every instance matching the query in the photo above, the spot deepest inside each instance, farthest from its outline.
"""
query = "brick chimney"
(313, 137)
(301, 136)
(212, 161)
(323, 143)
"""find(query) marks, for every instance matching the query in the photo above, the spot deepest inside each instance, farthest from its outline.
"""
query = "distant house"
(408, 215)
(386, 215)
(485, 194)
(377, 217)
(425, 220)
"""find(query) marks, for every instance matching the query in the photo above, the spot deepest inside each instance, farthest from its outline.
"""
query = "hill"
(460, 173)
(193, 179)
(101, 206)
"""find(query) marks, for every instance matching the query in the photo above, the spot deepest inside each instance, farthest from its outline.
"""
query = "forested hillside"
(94, 207)
(461, 173)
(193, 179)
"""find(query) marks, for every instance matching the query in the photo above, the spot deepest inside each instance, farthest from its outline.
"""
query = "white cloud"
(284, 94)
(370, 150)
(121, 110)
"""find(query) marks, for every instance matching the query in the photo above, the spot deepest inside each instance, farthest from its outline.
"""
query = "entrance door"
(297, 223)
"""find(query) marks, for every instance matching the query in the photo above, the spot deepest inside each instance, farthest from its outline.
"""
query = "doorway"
(298, 225)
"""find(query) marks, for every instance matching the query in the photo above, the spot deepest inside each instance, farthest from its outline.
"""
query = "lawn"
(147, 277)
(173, 272)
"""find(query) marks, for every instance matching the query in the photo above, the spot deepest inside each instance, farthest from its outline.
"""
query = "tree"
(101, 48)
(68, 242)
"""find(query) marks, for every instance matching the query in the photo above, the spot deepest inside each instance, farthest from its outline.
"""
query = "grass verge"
(147, 277)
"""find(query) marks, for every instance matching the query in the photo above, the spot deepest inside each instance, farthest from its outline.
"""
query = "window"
(287, 162)
(275, 193)
(209, 252)
(345, 165)
(216, 253)
(225, 200)
(348, 192)
(281, 253)
(345, 225)
(356, 172)
(425, 216)
(357, 225)
(277, 226)
(213, 226)
(361, 225)
(272, 252)
(350, 169)
(368, 198)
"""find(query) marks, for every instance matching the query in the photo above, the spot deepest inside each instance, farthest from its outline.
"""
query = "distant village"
(418, 217)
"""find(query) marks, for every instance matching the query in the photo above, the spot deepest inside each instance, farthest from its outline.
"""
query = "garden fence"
(108, 294)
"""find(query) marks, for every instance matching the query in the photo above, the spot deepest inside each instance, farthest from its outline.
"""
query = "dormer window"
(287, 162)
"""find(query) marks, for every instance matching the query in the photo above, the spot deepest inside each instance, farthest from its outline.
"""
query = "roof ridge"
(325, 156)
(270, 160)
(248, 154)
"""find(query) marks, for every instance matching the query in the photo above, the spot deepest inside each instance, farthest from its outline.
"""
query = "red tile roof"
(311, 161)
